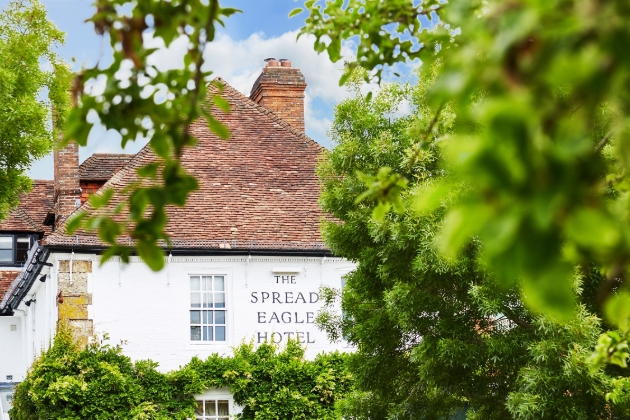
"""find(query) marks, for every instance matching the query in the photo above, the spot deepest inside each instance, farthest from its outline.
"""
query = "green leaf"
(380, 211)
(334, 50)
(344, 78)
(102, 198)
(151, 254)
(593, 228)
(75, 221)
(296, 11)
(218, 128)
(149, 170)
(617, 310)
(221, 103)
(430, 198)
(552, 292)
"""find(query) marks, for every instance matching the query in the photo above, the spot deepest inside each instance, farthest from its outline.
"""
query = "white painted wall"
(12, 357)
(149, 312)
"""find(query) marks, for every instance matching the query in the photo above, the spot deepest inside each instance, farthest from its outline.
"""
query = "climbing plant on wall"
(100, 382)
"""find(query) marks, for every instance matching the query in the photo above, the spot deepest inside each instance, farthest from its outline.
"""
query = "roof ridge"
(275, 117)
(112, 154)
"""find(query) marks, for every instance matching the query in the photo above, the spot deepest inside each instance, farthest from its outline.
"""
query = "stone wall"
(73, 298)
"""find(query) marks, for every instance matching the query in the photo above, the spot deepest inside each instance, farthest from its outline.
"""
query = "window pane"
(220, 333)
(207, 300)
(21, 255)
(195, 300)
(219, 300)
(195, 333)
(195, 317)
(207, 283)
(219, 317)
(199, 408)
(219, 284)
(6, 242)
(207, 317)
(224, 408)
(194, 283)
(205, 333)
(6, 255)
(211, 409)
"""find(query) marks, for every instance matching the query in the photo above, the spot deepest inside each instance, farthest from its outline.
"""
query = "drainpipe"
(24, 346)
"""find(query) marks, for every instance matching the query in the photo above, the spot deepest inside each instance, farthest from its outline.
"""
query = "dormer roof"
(32, 211)
(101, 166)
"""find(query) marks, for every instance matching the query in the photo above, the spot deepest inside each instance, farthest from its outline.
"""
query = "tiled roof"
(6, 278)
(258, 187)
(34, 206)
(101, 166)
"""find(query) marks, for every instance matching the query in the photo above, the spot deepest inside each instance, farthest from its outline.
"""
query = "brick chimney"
(67, 186)
(280, 88)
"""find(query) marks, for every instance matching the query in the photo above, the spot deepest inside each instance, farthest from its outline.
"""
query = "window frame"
(226, 309)
(15, 236)
(216, 399)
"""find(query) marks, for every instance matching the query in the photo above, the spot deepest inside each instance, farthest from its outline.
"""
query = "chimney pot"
(281, 89)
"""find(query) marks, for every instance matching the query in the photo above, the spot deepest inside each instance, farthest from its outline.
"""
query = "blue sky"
(262, 30)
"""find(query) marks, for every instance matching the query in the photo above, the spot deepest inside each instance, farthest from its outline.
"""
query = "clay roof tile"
(262, 180)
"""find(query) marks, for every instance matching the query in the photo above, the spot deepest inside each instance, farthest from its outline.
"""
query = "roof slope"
(101, 166)
(34, 206)
(6, 278)
(257, 190)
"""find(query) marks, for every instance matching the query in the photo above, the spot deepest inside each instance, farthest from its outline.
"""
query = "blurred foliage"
(436, 337)
(33, 80)
(100, 382)
(540, 143)
(140, 100)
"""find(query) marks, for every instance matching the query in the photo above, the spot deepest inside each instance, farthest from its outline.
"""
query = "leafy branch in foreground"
(541, 97)
(440, 338)
(540, 143)
(139, 100)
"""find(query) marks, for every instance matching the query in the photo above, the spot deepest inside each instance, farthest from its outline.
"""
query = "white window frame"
(216, 394)
(230, 414)
(227, 285)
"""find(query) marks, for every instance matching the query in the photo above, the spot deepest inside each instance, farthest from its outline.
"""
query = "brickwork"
(67, 188)
(73, 310)
(281, 90)
(88, 188)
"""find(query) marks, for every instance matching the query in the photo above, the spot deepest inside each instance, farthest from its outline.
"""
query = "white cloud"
(239, 62)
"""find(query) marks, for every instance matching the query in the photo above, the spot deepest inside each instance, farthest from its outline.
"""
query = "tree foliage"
(140, 100)
(33, 79)
(541, 95)
(100, 382)
(438, 336)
